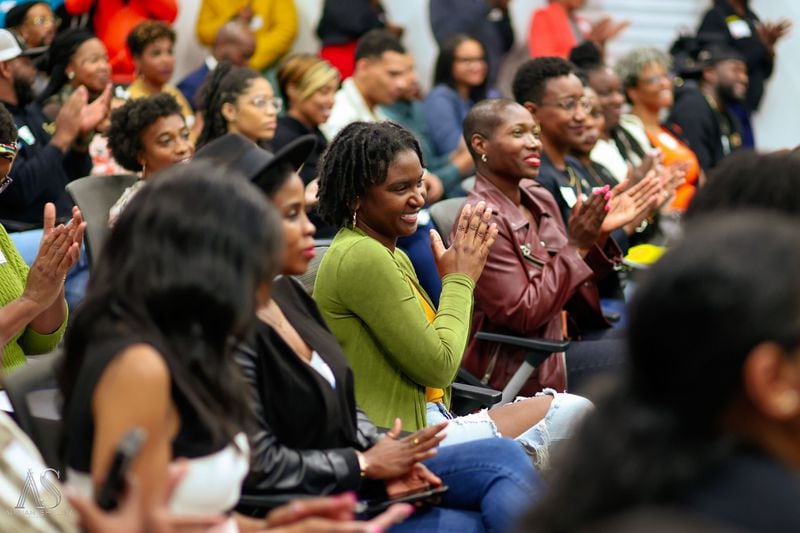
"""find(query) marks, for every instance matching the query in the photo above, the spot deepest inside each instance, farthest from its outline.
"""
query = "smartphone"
(114, 485)
(417, 499)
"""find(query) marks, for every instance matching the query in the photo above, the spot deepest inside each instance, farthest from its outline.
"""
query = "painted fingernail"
(607, 207)
(607, 196)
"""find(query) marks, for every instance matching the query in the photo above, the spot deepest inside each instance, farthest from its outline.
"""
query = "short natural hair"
(484, 118)
(358, 158)
(375, 43)
(148, 32)
(129, 121)
(532, 76)
(630, 66)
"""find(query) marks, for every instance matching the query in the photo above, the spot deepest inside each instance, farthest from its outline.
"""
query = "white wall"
(777, 123)
(655, 23)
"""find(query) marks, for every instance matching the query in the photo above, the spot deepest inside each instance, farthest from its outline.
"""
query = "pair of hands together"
(646, 190)
(77, 117)
(59, 250)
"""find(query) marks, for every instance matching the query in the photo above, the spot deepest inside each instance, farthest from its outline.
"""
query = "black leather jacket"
(307, 432)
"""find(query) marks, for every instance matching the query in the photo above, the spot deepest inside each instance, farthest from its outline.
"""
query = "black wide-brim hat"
(237, 153)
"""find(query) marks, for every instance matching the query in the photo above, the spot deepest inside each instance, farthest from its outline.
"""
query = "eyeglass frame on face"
(570, 104)
(470, 60)
(261, 102)
(41, 20)
(656, 78)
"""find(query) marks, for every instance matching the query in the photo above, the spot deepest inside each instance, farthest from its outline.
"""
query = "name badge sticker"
(568, 194)
(739, 28)
(3, 259)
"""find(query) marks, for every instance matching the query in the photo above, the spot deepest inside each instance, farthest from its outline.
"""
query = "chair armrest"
(536, 349)
(542, 345)
(483, 395)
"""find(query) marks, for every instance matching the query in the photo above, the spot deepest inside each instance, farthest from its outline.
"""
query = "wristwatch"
(363, 464)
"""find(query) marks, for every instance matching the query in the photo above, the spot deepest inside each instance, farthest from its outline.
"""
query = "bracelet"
(363, 464)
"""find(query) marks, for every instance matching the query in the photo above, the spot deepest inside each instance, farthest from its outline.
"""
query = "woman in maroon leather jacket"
(536, 268)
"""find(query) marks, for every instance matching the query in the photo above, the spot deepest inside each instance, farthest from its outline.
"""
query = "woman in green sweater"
(33, 312)
(405, 353)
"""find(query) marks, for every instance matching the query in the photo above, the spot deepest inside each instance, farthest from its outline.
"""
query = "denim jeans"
(558, 425)
(491, 483)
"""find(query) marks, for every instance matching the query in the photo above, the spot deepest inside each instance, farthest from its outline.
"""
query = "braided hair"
(358, 158)
(224, 85)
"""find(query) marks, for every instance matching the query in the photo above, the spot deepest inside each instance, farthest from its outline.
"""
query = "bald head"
(234, 43)
(484, 118)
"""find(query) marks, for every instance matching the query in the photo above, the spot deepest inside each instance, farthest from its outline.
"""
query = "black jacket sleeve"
(276, 469)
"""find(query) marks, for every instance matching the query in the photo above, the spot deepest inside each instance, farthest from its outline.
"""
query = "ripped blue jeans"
(559, 424)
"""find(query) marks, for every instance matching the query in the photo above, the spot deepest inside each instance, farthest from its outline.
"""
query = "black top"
(344, 21)
(41, 171)
(289, 129)
(193, 438)
(307, 430)
(750, 491)
(716, 27)
(712, 132)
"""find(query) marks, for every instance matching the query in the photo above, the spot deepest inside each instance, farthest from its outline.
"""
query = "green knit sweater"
(13, 275)
(364, 292)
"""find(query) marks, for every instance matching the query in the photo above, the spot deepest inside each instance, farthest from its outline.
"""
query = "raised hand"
(68, 120)
(392, 457)
(585, 222)
(59, 250)
(671, 177)
(475, 234)
(629, 204)
(94, 113)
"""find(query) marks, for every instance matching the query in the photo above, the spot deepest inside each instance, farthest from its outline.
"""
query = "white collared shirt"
(349, 106)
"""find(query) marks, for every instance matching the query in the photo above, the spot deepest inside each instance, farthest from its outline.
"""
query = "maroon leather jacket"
(530, 276)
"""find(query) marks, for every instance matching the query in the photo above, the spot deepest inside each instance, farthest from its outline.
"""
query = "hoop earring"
(484, 158)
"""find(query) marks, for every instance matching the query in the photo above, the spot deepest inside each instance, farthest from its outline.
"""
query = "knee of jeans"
(565, 414)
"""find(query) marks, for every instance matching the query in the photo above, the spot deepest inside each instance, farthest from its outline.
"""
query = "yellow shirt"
(138, 90)
(431, 394)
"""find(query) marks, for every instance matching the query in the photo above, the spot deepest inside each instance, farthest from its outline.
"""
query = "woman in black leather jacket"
(311, 437)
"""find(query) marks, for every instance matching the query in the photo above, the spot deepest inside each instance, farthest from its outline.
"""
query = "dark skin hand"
(586, 222)
(392, 457)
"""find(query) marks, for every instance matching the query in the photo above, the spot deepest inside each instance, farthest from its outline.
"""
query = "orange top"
(113, 19)
(431, 394)
(551, 32)
(676, 151)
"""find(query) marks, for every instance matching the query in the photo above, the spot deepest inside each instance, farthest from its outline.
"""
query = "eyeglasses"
(655, 78)
(41, 20)
(7, 151)
(571, 105)
(261, 102)
(471, 60)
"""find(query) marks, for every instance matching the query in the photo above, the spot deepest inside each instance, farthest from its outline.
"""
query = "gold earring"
(484, 158)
